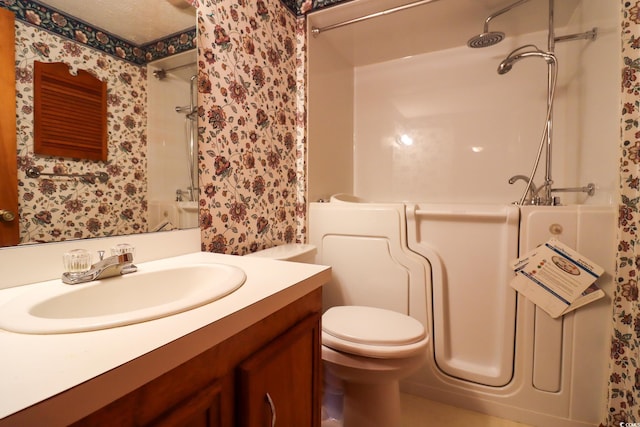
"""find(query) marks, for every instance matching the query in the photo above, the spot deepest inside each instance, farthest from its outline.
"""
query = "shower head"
(489, 38)
(516, 55)
(486, 39)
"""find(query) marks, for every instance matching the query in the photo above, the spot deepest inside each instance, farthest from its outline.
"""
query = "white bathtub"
(448, 266)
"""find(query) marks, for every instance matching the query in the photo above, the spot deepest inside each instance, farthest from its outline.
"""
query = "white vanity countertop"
(34, 368)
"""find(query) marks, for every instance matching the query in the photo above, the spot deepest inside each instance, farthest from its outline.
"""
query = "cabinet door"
(279, 385)
(207, 408)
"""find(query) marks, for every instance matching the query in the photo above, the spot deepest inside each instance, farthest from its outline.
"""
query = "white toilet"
(366, 351)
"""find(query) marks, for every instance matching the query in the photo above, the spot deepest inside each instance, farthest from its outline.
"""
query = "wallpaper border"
(67, 26)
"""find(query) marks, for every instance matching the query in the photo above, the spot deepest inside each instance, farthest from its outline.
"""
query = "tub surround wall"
(590, 89)
(331, 170)
(469, 129)
(442, 126)
(251, 136)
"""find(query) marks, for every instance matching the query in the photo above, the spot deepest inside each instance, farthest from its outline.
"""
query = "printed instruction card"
(556, 278)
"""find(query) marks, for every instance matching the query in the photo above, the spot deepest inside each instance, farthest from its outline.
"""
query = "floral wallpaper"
(624, 380)
(57, 208)
(251, 143)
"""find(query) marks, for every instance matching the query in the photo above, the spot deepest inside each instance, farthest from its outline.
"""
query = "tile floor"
(418, 412)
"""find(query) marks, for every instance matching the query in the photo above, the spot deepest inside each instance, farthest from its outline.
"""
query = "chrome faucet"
(531, 193)
(115, 265)
(533, 196)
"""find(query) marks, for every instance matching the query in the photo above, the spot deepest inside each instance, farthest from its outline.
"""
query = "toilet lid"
(372, 326)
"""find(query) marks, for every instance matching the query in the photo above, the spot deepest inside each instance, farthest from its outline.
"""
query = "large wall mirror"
(145, 52)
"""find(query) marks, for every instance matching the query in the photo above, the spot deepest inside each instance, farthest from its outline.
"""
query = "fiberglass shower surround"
(514, 15)
(533, 195)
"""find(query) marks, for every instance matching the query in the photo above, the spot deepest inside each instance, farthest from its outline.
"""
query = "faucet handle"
(100, 255)
(76, 262)
(123, 248)
(125, 253)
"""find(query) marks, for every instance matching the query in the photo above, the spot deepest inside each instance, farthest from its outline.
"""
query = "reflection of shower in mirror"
(172, 142)
(191, 129)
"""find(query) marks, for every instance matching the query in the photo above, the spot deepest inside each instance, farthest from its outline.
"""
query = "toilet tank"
(296, 252)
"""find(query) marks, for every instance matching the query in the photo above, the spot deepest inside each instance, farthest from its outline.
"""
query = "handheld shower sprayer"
(518, 54)
(530, 194)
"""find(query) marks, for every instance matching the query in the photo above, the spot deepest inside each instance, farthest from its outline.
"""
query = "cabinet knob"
(272, 406)
(6, 215)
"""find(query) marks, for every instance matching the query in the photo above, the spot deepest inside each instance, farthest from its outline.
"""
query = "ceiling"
(436, 25)
(136, 21)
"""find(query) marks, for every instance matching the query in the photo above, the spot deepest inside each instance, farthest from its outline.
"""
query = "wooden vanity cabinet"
(227, 385)
(275, 385)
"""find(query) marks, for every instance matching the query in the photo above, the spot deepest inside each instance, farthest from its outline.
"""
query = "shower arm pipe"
(500, 12)
(317, 30)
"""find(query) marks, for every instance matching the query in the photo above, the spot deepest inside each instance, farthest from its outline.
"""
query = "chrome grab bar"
(34, 172)
(590, 189)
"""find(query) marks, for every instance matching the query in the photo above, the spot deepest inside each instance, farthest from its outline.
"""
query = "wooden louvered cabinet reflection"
(70, 113)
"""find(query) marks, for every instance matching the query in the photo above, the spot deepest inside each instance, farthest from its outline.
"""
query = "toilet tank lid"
(284, 252)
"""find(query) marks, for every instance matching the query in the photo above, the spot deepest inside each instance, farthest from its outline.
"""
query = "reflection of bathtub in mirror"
(187, 214)
(170, 215)
(346, 198)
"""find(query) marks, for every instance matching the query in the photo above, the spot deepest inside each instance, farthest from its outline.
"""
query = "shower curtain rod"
(162, 72)
(316, 30)
(189, 64)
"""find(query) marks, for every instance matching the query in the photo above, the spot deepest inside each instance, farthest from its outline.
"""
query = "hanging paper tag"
(556, 278)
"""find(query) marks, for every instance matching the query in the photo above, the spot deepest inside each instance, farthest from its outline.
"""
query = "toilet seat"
(372, 332)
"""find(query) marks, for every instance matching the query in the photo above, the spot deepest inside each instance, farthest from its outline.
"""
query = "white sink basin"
(118, 301)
